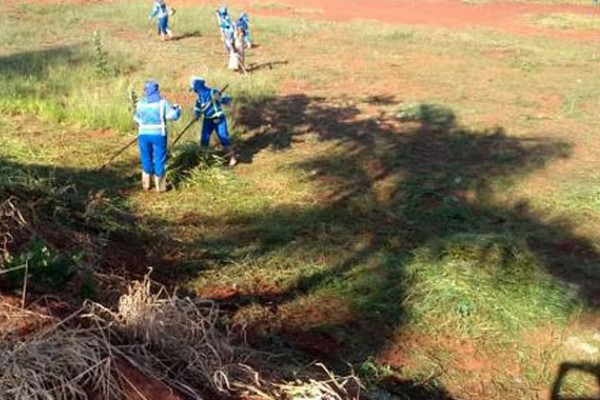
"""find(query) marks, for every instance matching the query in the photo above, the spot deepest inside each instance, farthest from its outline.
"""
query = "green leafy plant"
(42, 265)
(370, 370)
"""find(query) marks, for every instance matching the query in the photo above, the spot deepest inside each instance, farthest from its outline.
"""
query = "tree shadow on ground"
(412, 390)
(568, 368)
(38, 63)
(76, 211)
(392, 192)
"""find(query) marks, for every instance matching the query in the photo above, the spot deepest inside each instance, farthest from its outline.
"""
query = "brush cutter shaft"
(183, 131)
(118, 153)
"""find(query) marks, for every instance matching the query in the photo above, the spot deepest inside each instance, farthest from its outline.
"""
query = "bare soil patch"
(451, 14)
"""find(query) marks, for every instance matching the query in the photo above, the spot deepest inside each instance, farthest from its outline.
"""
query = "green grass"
(490, 285)
(49, 83)
(396, 192)
(272, 6)
(568, 21)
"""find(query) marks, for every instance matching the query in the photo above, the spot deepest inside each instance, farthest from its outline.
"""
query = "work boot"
(232, 159)
(146, 178)
(161, 184)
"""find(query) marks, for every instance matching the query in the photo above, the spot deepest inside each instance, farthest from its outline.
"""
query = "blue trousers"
(153, 153)
(163, 25)
(220, 125)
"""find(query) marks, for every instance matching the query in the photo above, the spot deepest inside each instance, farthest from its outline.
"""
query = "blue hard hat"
(152, 91)
(223, 10)
(197, 83)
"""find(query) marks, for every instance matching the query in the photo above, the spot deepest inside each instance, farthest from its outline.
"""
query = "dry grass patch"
(177, 341)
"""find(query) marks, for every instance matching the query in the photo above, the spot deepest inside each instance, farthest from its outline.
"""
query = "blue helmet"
(152, 91)
(197, 84)
(222, 11)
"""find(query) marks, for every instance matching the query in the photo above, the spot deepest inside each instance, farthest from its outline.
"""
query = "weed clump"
(482, 286)
(436, 117)
(100, 56)
(41, 265)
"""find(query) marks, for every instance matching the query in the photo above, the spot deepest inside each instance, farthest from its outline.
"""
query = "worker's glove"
(225, 100)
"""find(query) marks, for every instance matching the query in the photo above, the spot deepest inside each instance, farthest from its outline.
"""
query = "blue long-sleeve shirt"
(210, 103)
(152, 117)
(159, 10)
(224, 21)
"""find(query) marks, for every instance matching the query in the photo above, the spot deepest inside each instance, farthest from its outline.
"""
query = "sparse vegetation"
(568, 21)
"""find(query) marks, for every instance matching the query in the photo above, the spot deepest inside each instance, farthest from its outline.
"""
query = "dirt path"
(452, 14)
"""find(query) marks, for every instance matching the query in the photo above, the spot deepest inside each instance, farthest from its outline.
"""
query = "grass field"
(418, 203)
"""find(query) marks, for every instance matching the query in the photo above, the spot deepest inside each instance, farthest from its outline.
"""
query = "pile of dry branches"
(174, 340)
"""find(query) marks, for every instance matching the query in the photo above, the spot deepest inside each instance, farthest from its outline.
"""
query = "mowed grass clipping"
(484, 286)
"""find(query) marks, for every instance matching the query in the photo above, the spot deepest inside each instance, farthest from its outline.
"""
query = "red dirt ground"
(451, 14)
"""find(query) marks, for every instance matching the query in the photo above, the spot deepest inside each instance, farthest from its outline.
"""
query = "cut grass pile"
(490, 285)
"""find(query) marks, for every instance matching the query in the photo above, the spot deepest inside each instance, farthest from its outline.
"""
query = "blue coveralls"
(224, 21)
(214, 116)
(243, 23)
(229, 33)
(152, 115)
(160, 10)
